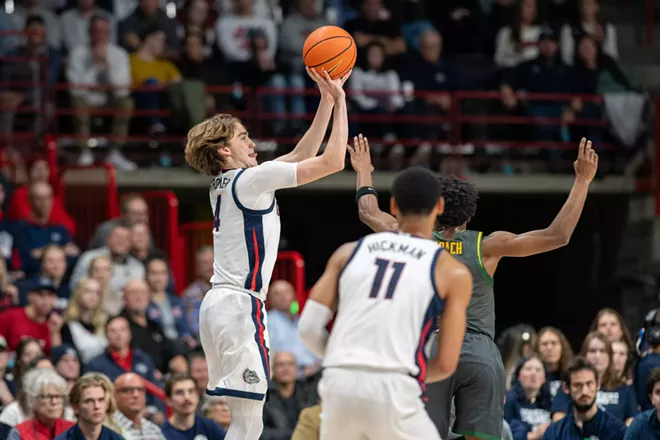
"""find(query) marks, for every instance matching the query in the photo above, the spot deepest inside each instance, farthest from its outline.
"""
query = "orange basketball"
(330, 48)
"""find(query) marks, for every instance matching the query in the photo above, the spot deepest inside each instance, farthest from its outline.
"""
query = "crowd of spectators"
(173, 51)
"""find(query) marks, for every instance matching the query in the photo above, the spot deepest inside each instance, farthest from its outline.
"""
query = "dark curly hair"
(460, 201)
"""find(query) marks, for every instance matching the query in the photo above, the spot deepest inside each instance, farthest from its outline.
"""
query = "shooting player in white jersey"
(246, 235)
(388, 290)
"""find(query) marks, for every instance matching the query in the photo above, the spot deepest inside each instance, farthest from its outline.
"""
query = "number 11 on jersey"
(383, 265)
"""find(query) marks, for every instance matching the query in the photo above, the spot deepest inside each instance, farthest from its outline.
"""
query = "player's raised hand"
(360, 155)
(586, 164)
(333, 88)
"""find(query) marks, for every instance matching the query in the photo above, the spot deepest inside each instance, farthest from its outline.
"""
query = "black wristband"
(363, 191)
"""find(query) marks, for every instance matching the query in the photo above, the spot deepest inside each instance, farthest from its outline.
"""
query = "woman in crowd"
(163, 308)
(555, 352)
(621, 355)
(84, 320)
(53, 266)
(518, 42)
(588, 24)
(216, 408)
(515, 343)
(45, 397)
(27, 350)
(527, 407)
(609, 323)
(18, 411)
(100, 269)
(614, 394)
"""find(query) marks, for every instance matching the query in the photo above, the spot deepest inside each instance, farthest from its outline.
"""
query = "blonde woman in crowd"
(85, 319)
(100, 269)
(556, 353)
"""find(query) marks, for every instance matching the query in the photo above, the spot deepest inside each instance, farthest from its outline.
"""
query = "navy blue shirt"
(35, 236)
(620, 402)
(602, 426)
(74, 433)
(642, 370)
(646, 426)
(524, 415)
(202, 427)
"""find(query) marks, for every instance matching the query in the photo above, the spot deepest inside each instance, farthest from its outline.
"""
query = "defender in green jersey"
(478, 385)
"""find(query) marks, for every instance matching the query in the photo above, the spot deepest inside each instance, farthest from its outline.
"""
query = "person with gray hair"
(45, 393)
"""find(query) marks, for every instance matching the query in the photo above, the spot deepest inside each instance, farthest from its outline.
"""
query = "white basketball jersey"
(246, 225)
(388, 305)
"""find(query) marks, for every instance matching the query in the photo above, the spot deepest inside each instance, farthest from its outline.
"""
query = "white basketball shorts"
(232, 329)
(370, 405)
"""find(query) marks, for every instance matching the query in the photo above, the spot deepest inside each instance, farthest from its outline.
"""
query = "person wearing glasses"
(131, 404)
(45, 395)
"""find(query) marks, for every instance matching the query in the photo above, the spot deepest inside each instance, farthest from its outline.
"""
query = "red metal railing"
(164, 224)
(90, 197)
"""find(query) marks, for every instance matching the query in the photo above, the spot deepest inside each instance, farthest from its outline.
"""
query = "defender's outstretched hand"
(586, 164)
(360, 154)
(333, 88)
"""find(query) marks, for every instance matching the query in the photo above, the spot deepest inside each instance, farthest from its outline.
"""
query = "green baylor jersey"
(466, 248)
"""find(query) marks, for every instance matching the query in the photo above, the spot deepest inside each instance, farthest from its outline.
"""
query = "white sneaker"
(120, 162)
(86, 158)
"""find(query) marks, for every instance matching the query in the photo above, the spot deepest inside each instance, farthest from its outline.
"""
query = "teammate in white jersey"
(246, 236)
(388, 290)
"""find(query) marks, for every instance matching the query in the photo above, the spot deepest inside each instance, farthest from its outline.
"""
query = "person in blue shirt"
(184, 423)
(527, 405)
(614, 395)
(92, 400)
(37, 232)
(649, 361)
(585, 419)
(646, 425)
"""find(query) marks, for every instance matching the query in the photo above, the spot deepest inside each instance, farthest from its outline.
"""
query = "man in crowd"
(586, 420)
(646, 425)
(184, 423)
(92, 400)
(131, 405)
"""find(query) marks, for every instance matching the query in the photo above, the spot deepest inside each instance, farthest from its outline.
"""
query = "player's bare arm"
(334, 156)
(322, 302)
(506, 244)
(368, 210)
(309, 144)
(454, 285)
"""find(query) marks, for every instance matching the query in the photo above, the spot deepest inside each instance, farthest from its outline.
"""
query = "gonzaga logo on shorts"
(250, 377)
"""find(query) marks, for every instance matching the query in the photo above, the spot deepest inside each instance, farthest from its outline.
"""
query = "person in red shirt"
(45, 392)
(35, 319)
(19, 207)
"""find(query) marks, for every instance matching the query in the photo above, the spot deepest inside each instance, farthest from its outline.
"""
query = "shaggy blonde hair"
(96, 380)
(205, 138)
(74, 310)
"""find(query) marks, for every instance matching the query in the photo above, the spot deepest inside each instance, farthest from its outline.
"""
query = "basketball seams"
(326, 39)
(350, 65)
(336, 56)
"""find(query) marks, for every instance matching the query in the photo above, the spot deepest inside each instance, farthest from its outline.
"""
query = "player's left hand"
(333, 88)
(586, 164)
(360, 155)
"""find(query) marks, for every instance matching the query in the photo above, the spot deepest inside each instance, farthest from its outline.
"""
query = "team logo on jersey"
(200, 437)
(250, 377)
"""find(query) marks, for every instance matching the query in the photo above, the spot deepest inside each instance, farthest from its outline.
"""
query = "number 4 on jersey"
(383, 265)
(216, 217)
